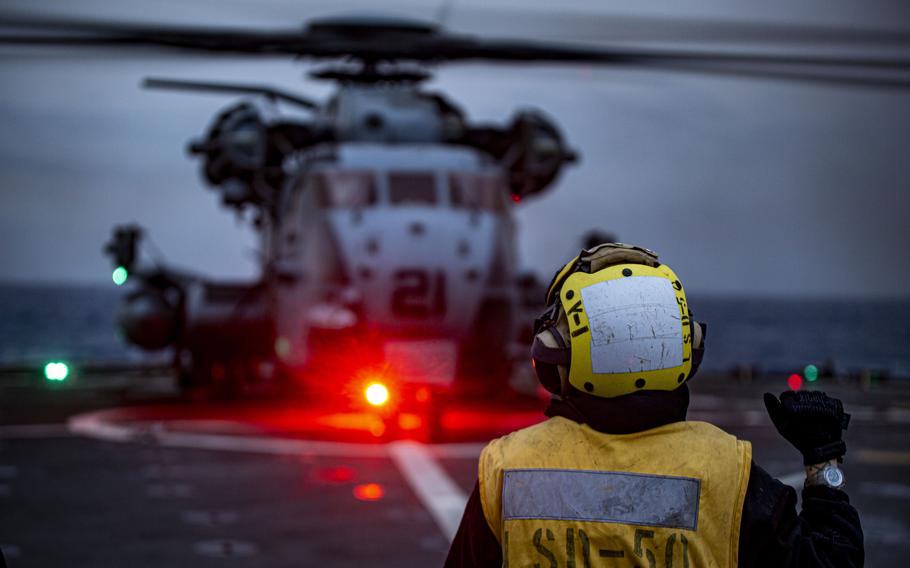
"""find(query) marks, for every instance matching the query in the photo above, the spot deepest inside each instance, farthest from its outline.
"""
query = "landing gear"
(224, 377)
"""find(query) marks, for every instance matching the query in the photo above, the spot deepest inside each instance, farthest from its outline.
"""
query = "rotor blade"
(597, 27)
(383, 41)
(375, 41)
(272, 93)
(849, 70)
(35, 24)
(604, 27)
(689, 31)
(470, 48)
(48, 31)
(219, 45)
(803, 76)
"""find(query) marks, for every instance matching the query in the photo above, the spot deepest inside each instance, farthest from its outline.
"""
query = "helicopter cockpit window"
(345, 189)
(479, 191)
(412, 188)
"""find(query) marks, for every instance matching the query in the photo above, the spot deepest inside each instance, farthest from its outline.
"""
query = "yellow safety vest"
(560, 494)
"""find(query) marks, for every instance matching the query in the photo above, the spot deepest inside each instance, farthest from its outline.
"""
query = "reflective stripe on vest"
(562, 494)
(600, 496)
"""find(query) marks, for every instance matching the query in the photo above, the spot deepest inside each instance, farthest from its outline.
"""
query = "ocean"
(772, 335)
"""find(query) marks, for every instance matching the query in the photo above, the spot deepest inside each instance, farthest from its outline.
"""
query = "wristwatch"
(826, 475)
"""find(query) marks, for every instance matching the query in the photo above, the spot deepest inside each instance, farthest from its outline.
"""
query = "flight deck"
(109, 473)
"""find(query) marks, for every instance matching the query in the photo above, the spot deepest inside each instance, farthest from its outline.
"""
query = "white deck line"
(96, 425)
(435, 489)
(281, 446)
(93, 425)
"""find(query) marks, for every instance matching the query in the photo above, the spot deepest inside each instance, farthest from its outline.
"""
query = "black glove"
(812, 421)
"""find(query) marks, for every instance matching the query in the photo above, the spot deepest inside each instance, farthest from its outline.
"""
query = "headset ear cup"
(546, 360)
(698, 348)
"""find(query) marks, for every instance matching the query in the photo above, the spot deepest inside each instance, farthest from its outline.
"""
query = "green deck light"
(56, 371)
(120, 275)
(810, 372)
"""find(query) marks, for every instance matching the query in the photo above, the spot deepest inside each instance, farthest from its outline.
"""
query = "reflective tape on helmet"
(630, 330)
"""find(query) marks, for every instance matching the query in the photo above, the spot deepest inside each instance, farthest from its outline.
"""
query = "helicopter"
(377, 243)
(385, 219)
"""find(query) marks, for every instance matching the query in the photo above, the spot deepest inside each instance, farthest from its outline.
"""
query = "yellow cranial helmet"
(617, 323)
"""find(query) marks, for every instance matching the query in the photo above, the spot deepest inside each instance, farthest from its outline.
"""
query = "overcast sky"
(743, 186)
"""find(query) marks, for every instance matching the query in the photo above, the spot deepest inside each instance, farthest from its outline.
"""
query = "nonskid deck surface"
(93, 477)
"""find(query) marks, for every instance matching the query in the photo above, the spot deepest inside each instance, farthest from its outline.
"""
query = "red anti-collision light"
(376, 394)
(369, 492)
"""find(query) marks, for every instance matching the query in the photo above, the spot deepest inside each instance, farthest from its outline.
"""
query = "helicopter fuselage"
(387, 242)
(394, 250)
